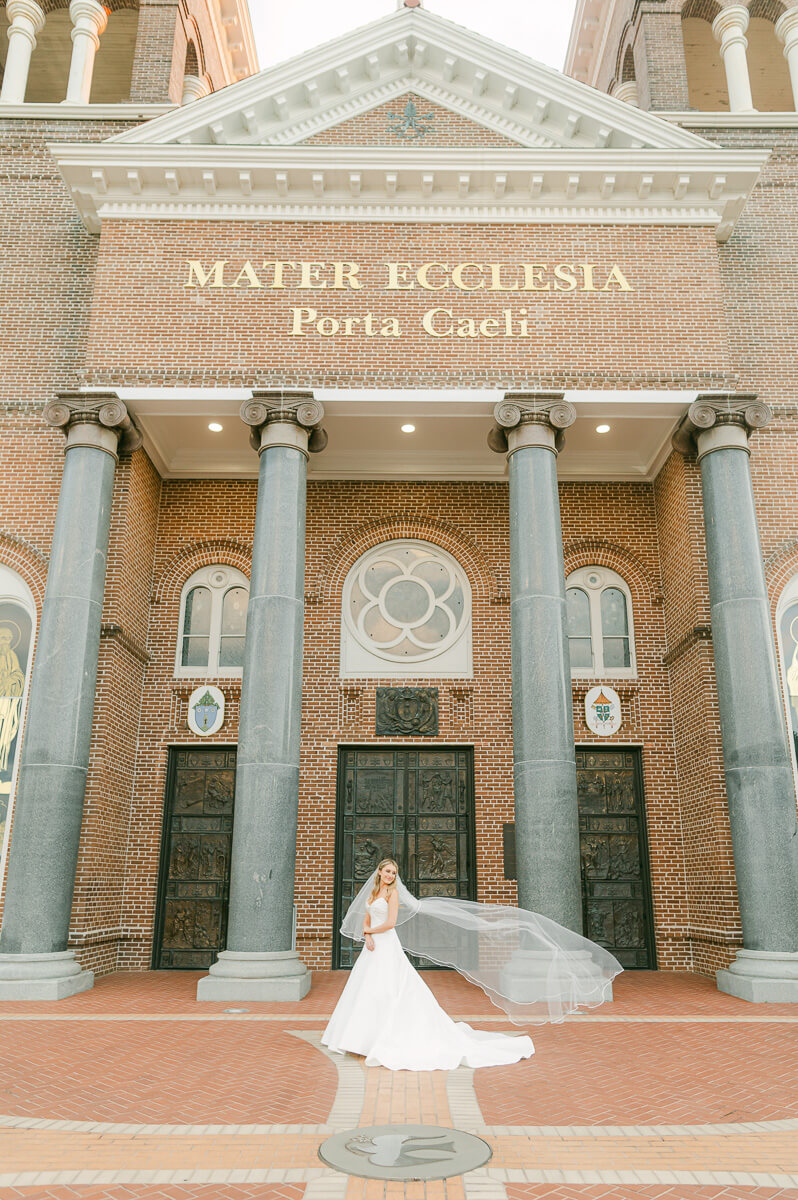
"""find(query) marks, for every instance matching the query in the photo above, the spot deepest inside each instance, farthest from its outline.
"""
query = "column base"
(762, 977)
(42, 976)
(238, 975)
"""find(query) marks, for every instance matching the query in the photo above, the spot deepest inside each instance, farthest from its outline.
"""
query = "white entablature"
(581, 157)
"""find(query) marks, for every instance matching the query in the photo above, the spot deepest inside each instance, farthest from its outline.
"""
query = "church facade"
(399, 458)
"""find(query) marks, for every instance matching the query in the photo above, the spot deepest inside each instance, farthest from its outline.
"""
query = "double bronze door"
(413, 805)
(191, 926)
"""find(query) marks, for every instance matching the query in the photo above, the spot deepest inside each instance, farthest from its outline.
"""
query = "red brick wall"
(374, 128)
(148, 328)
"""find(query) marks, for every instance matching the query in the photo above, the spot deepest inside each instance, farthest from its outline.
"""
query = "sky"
(537, 28)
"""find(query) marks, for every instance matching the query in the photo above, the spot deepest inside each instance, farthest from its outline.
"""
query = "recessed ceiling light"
(602, 429)
(215, 427)
(408, 429)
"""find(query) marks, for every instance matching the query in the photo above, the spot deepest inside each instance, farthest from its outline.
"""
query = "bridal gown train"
(387, 1012)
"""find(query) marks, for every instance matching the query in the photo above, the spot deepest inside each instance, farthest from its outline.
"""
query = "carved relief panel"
(195, 863)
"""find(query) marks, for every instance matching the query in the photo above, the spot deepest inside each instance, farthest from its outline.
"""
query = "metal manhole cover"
(404, 1152)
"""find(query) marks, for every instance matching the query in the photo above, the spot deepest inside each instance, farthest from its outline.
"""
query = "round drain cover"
(404, 1152)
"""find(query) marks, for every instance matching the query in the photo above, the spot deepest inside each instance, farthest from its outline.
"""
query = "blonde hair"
(375, 891)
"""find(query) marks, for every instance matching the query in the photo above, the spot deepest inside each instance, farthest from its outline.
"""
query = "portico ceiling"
(366, 440)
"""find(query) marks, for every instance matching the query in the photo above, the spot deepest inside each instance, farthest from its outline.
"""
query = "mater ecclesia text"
(440, 321)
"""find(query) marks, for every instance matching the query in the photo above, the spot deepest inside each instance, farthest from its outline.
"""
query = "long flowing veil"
(534, 969)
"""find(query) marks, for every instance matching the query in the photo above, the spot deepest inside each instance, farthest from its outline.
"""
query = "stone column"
(34, 961)
(194, 88)
(729, 28)
(89, 20)
(25, 20)
(530, 431)
(259, 962)
(756, 756)
(787, 33)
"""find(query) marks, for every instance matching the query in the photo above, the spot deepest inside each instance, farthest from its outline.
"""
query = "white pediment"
(412, 50)
(580, 157)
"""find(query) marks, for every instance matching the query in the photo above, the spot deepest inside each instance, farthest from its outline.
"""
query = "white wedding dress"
(387, 1013)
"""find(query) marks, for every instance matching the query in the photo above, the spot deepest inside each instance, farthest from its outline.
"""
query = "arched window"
(113, 66)
(406, 611)
(213, 619)
(767, 67)
(787, 622)
(599, 614)
(706, 77)
(17, 625)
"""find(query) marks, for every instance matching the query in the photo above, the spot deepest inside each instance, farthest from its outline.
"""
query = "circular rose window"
(407, 601)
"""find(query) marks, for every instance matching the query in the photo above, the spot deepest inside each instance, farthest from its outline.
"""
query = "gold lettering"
(302, 316)
(564, 275)
(346, 271)
(195, 271)
(390, 327)
(523, 323)
(247, 272)
(459, 282)
(489, 327)
(399, 282)
(422, 275)
(278, 279)
(623, 283)
(466, 328)
(496, 284)
(349, 325)
(328, 326)
(587, 271)
(533, 275)
(429, 318)
(309, 279)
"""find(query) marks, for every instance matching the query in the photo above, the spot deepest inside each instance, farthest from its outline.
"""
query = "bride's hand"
(369, 942)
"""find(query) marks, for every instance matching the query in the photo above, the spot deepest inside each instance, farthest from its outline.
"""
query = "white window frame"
(13, 588)
(218, 578)
(361, 661)
(788, 596)
(593, 581)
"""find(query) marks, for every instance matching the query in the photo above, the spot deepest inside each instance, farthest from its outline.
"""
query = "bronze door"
(416, 806)
(615, 880)
(191, 926)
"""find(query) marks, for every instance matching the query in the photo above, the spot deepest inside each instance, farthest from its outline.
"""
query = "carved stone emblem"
(407, 711)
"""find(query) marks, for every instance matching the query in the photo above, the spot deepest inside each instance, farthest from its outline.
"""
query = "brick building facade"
(337, 248)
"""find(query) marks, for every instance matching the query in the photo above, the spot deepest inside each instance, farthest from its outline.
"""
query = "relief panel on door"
(195, 863)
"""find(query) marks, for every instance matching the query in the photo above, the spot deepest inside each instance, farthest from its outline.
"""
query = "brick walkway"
(133, 1091)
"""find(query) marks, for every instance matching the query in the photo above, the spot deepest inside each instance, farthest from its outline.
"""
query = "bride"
(528, 965)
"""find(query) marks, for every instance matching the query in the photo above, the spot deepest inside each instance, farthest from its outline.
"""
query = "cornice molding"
(84, 112)
(732, 120)
(619, 187)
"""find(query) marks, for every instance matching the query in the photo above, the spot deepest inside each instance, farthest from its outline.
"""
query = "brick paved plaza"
(135, 1091)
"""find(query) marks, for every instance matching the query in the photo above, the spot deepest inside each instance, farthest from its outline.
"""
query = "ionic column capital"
(89, 19)
(730, 25)
(97, 419)
(282, 418)
(787, 29)
(531, 419)
(720, 421)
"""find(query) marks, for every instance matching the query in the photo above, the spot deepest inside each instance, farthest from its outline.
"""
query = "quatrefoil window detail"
(407, 602)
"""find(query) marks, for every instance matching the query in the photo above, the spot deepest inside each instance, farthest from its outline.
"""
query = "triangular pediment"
(412, 50)
(311, 140)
